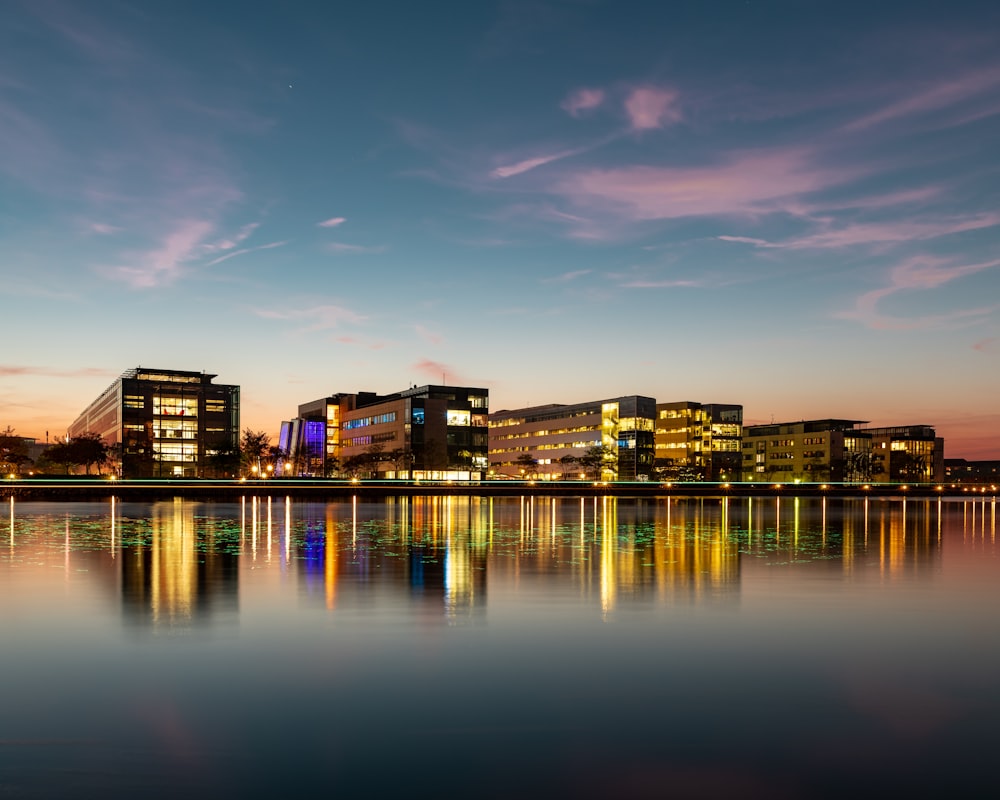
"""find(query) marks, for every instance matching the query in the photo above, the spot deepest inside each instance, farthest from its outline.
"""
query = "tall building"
(425, 432)
(549, 440)
(839, 450)
(163, 423)
(699, 441)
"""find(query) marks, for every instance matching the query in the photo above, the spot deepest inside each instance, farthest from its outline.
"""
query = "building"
(549, 441)
(960, 470)
(906, 454)
(817, 451)
(838, 450)
(425, 432)
(162, 423)
(695, 441)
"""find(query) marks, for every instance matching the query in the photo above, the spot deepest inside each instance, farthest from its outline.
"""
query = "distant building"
(698, 441)
(837, 450)
(164, 423)
(555, 436)
(425, 432)
(959, 470)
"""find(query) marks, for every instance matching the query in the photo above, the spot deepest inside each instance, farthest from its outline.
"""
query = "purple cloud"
(649, 108)
(582, 100)
(164, 264)
(333, 222)
(531, 163)
(244, 251)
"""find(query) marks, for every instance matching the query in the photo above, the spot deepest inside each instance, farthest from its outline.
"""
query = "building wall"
(422, 432)
(556, 435)
(164, 423)
(813, 451)
(698, 441)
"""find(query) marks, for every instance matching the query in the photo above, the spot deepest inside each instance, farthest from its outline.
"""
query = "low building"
(960, 470)
(838, 450)
(162, 423)
(548, 442)
(696, 441)
(425, 432)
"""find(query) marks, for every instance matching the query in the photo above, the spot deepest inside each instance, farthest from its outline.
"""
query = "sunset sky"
(790, 205)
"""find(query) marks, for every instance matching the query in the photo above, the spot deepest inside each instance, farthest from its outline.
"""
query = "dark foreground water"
(456, 647)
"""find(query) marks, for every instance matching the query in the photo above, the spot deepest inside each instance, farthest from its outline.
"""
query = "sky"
(794, 206)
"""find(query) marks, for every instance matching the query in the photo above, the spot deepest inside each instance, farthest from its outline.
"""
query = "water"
(441, 647)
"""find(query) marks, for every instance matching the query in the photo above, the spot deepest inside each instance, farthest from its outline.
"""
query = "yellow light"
(866, 487)
(904, 487)
(824, 487)
(354, 480)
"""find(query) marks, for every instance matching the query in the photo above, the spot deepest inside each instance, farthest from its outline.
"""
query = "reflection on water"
(177, 561)
(551, 646)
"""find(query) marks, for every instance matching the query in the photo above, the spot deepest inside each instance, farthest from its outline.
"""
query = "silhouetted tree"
(600, 459)
(13, 452)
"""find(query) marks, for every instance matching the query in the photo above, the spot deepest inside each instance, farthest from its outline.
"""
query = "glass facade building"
(165, 423)
(424, 432)
(553, 438)
(699, 441)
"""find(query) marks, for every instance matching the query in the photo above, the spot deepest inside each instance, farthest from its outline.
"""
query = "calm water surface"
(477, 647)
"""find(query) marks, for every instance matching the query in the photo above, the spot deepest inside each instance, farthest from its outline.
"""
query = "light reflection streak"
(288, 530)
(12, 523)
(269, 529)
(255, 502)
(112, 527)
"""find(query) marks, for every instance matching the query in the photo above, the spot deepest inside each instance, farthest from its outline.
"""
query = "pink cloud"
(427, 335)
(343, 247)
(582, 100)
(7, 370)
(566, 277)
(887, 232)
(437, 372)
(937, 97)
(244, 251)
(230, 242)
(164, 264)
(649, 108)
(748, 240)
(531, 163)
(333, 222)
(748, 183)
(920, 272)
(668, 284)
(104, 229)
(316, 318)
(986, 345)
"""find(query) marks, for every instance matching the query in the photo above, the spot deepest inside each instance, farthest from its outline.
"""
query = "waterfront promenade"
(78, 489)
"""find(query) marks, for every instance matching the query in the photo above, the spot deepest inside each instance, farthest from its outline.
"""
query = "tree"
(224, 460)
(253, 448)
(13, 452)
(89, 449)
(526, 464)
(600, 459)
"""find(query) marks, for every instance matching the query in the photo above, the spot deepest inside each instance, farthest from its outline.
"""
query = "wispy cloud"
(228, 243)
(333, 222)
(920, 273)
(649, 108)
(664, 284)
(566, 277)
(244, 251)
(10, 370)
(438, 371)
(939, 96)
(427, 335)
(749, 183)
(104, 229)
(164, 264)
(748, 240)
(990, 345)
(345, 248)
(317, 318)
(532, 163)
(582, 100)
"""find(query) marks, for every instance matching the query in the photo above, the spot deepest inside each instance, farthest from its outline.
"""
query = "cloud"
(242, 235)
(748, 240)
(891, 232)
(435, 371)
(744, 184)
(104, 229)
(333, 222)
(8, 370)
(531, 163)
(244, 251)
(317, 318)
(343, 247)
(566, 277)
(937, 97)
(986, 345)
(582, 100)
(649, 108)
(428, 336)
(164, 264)
(667, 284)
(919, 273)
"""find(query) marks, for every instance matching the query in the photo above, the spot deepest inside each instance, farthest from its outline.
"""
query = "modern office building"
(960, 470)
(696, 441)
(164, 423)
(906, 454)
(548, 441)
(837, 450)
(425, 432)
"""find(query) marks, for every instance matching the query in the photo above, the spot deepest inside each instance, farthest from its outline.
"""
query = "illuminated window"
(457, 417)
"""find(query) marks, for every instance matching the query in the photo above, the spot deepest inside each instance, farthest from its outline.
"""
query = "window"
(477, 401)
(418, 416)
(457, 417)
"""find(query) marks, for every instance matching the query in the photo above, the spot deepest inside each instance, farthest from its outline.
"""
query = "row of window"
(364, 422)
(376, 438)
